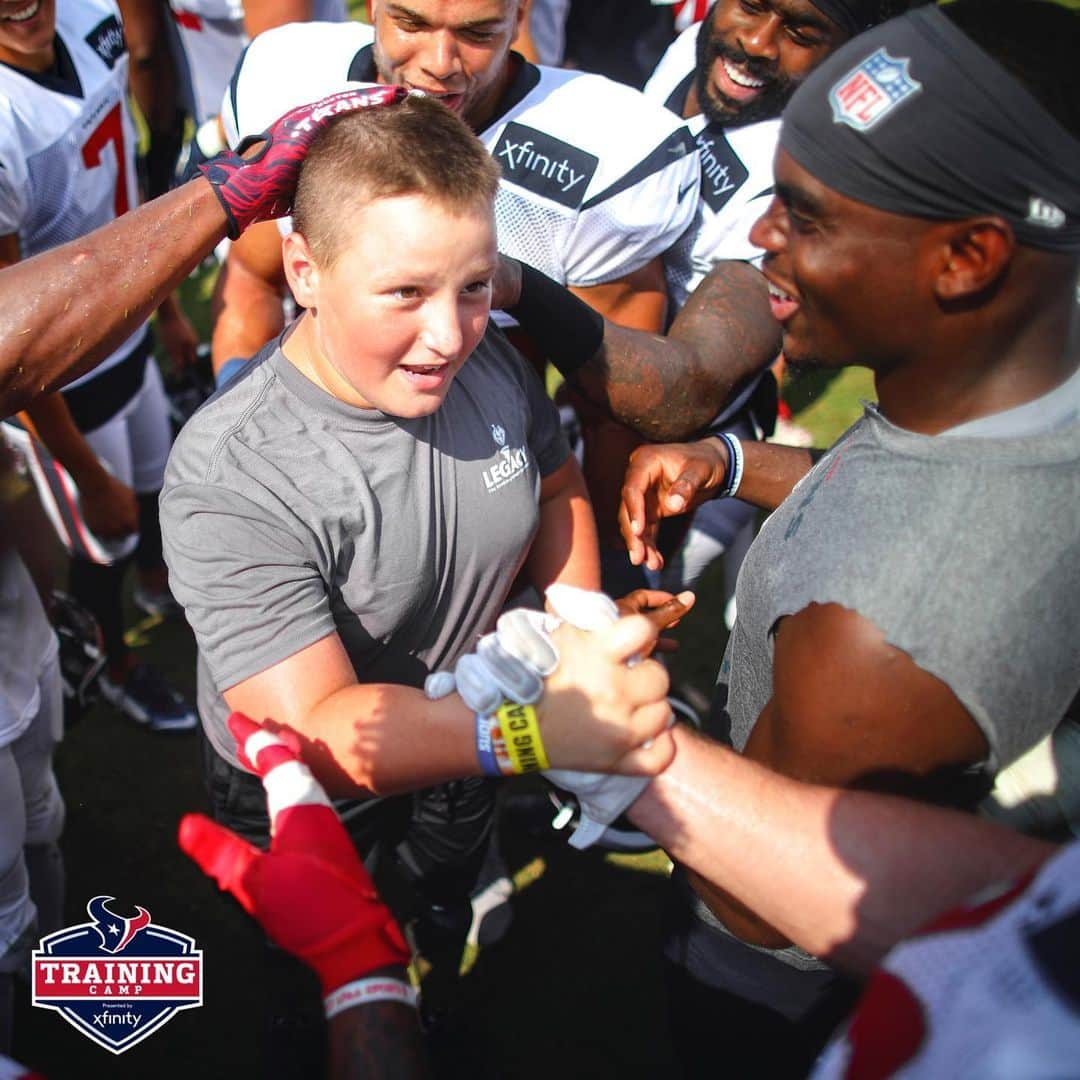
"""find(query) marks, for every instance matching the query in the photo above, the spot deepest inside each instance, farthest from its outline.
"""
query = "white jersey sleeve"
(675, 68)
(319, 58)
(596, 180)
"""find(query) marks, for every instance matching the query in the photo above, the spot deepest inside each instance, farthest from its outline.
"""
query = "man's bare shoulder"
(848, 706)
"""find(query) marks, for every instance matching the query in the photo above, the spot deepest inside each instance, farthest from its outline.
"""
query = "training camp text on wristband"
(521, 734)
(366, 991)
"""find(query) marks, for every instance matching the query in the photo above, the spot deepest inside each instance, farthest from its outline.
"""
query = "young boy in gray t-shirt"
(349, 514)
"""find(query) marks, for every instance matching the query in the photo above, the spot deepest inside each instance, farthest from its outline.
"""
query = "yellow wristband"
(522, 735)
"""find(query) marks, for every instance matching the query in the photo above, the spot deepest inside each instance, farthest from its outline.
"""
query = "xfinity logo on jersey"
(107, 40)
(117, 979)
(510, 464)
(544, 165)
(722, 172)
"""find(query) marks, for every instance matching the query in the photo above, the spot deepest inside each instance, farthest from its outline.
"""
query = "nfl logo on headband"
(866, 95)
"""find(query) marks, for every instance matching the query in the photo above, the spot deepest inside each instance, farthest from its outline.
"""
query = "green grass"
(827, 403)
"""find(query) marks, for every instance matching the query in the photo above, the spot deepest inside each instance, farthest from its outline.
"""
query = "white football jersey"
(736, 177)
(986, 992)
(211, 37)
(67, 141)
(596, 179)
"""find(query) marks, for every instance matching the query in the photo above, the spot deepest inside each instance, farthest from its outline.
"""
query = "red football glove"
(261, 187)
(310, 891)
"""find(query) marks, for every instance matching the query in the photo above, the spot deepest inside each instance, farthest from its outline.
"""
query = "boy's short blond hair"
(416, 147)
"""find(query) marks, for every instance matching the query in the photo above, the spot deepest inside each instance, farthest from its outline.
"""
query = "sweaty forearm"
(665, 388)
(844, 874)
(100, 288)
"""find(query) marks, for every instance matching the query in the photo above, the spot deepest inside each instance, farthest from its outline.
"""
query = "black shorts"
(439, 834)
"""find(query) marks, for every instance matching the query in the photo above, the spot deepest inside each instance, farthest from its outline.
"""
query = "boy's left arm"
(565, 546)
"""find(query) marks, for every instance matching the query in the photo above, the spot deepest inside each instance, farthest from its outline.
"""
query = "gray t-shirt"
(288, 515)
(964, 552)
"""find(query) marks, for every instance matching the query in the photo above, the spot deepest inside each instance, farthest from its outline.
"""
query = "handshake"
(518, 664)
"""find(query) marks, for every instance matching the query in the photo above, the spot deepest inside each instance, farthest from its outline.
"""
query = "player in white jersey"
(736, 174)
(67, 150)
(728, 77)
(598, 182)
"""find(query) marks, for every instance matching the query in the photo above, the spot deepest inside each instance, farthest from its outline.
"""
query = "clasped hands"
(602, 706)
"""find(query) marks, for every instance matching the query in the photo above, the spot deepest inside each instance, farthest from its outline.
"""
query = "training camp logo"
(509, 465)
(866, 95)
(115, 979)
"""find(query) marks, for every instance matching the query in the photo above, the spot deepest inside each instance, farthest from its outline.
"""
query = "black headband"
(914, 118)
(852, 16)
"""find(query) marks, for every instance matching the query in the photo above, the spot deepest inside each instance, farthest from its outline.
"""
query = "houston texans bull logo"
(116, 932)
(117, 978)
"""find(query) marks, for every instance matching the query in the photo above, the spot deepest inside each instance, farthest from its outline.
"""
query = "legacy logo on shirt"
(542, 164)
(510, 464)
(107, 40)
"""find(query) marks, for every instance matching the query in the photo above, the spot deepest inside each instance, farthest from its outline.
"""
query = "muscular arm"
(108, 505)
(850, 710)
(564, 548)
(844, 874)
(247, 298)
(668, 388)
(100, 288)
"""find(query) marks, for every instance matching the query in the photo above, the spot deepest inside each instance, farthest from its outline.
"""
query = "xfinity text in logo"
(545, 165)
(722, 172)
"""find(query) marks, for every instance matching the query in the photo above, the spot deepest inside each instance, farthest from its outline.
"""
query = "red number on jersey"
(110, 130)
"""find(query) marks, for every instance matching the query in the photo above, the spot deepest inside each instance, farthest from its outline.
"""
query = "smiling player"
(728, 78)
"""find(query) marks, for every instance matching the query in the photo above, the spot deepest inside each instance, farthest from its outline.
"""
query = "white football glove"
(510, 663)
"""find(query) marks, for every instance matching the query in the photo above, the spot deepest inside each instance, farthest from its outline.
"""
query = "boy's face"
(393, 320)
